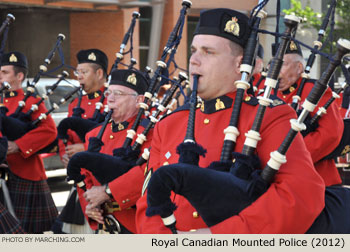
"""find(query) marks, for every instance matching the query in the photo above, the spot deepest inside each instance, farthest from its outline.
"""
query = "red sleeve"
(328, 134)
(39, 137)
(126, 189)
(89, 182)
(73, 137)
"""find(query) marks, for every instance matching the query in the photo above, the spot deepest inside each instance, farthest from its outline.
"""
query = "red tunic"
(326, 137)
(88, 103)
(126, 189)
(26, 164)
(290, 205)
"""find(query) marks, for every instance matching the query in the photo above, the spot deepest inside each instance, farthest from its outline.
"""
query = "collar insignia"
(232, 26)
(92, 56)
(219, 104)
(202, 107)
(132, 79)
(10, 94)
(293, 46)
(13, 58)
(120, 126)
(95, 94)
(216, 104)
(290, 89)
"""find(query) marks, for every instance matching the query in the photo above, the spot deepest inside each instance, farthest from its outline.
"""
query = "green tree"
(312, 19)
(308, 16)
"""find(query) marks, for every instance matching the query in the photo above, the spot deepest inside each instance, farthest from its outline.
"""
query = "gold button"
(6, 100)
(165, 163)
(247, 98)
(206, 121)
(284, 96)
(85, 116)
(30, 150)
(195, 215)
(123, 201)
(111, 137)
(89, 103)
(27, 152)
(127, 200)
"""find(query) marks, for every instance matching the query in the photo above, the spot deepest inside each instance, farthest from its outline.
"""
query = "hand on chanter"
(96, 196)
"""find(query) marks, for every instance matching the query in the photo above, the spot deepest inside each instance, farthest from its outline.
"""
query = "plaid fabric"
(33, 204)
(8, 224)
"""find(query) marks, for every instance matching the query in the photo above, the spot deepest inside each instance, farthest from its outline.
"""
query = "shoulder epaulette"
(276, 101)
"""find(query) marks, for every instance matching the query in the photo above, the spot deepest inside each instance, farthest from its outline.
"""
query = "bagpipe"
(127, 153)
(342, 147)
(80, 125)
(183, 178)
(225, 188)
(240, 187)
(4, 28)
(8, 20)
(42, 69)
(19, 123)
(162, 109)
(4, 86)
(162, 67)
(14, 128)
(124, 158)
(317, 46)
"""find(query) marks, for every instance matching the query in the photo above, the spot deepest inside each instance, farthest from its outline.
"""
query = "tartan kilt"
(33, 204)
(8, 224)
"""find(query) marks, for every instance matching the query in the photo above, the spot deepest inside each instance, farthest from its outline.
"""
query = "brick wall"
(102, 30)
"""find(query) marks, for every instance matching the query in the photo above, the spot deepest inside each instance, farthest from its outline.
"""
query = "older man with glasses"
(124, 94)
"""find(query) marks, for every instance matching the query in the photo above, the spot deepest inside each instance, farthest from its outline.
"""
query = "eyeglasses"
(117, 93)
(82, 72)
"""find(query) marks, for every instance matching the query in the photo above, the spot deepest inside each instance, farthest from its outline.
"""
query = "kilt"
(8, 224)
(33, 204)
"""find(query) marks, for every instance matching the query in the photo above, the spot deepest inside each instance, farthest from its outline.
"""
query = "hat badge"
(232, 26)
(13, 58)
(293, 46)
(92, 56)
(132, 79)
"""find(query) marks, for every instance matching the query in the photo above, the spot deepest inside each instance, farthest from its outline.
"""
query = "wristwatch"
(108, 191)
